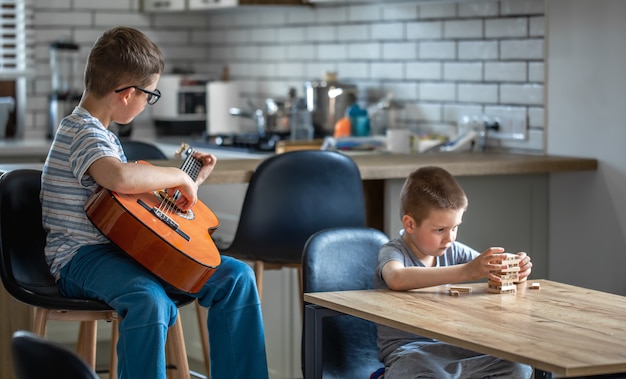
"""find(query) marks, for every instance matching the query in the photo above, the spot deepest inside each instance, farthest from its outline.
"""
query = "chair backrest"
(35, 358)
(137, 150)
(293, 195)
(24, 271)
(344, 259)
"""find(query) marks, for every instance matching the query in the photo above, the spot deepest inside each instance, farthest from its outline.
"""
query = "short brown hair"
(121, 55)
(430, 188)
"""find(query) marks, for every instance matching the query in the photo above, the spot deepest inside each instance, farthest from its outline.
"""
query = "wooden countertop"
(378, 166)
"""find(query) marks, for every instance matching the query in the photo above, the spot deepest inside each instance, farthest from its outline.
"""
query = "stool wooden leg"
(87, 338)
(202, 314)
(41, 318)
(115, 336)
(258, 272)
(176, 344)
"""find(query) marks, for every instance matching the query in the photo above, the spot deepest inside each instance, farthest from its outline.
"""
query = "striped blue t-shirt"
(81, 139)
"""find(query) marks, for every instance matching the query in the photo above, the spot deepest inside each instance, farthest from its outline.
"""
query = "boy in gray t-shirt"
(424, 255)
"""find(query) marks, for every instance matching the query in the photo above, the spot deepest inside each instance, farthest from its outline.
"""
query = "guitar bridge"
(166, 219)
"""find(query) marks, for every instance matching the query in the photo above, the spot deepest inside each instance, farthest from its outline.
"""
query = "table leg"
(313, 339)
(540, 374)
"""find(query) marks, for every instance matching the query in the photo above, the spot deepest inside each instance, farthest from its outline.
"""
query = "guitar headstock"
(185, 150)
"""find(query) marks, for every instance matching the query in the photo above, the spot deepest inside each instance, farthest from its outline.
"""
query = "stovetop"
(245, 142)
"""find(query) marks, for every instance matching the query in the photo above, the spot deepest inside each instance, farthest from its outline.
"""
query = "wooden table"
(559, 328)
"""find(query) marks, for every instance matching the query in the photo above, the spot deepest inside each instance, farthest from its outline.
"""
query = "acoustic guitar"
(173, 244)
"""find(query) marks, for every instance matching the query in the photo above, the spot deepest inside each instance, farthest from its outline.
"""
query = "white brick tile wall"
(521, 49)
(301, 52)
(363, 13)
(365, 51)
(437, 10)
(322, 33)
(292, 34)
(358, 32)
(505, 71)
(396, 51)
(452, 112)
(401, 11)
(537, 26)
(387, 31)
(441, 59)
(437, 50)
(536, 72)
(478, 9)
(109, 4)
(506, 28)
(424, 71)
(335, 51)
(437, 91)
(462, 71)
(402, 90)
(424, 30)
(387, 70)
(514, 7)
(353, 70)
(531, 94)
(481, 50)
(463, 29)
(478, 93)
(535, 117)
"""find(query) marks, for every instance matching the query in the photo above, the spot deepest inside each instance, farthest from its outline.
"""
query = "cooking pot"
(328, 100)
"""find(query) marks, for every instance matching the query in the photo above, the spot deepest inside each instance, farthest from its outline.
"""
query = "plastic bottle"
(301, 122)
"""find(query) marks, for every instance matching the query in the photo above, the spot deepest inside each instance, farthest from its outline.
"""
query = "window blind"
(16, 39)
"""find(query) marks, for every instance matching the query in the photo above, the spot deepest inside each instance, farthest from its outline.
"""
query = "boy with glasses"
(121, 75)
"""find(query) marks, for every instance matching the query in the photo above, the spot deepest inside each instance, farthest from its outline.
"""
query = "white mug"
(399, 141)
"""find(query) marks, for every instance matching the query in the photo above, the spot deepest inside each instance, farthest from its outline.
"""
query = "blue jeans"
(235, 322)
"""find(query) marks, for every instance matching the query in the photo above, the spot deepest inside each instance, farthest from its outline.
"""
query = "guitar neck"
(190, 165)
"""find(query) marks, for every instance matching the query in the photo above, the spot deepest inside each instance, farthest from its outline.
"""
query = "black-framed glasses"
(152, 98)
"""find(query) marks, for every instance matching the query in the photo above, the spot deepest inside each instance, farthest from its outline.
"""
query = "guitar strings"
(192, 167)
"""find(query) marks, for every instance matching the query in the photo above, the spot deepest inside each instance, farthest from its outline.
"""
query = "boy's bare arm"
(132, 178)
(402, 278)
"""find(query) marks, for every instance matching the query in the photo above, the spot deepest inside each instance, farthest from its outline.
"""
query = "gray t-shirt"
(389, 339)
(81, 139)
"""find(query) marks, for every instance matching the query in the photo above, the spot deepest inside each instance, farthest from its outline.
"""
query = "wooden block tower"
(509, 275)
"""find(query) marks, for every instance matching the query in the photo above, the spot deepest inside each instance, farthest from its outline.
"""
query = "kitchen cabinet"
(164, 5)
(384, 1)
(219, 4)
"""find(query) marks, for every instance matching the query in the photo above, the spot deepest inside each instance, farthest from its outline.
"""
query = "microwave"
(182, 108)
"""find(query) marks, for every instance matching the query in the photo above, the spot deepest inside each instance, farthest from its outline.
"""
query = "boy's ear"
(408, 223)
(124, 95)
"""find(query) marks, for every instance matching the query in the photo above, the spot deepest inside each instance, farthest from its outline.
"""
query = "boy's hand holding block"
(508, 275)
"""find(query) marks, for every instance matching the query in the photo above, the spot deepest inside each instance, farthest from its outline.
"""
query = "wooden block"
(498, 287)
(502, 290)
(454, 293)
(461, 289)
(535, 286)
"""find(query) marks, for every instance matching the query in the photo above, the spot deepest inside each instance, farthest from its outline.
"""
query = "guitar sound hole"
(171, 205)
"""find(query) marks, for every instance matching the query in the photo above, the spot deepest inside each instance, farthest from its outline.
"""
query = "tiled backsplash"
(441, 59)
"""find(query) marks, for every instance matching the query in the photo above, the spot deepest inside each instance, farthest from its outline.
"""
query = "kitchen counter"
(382, 166)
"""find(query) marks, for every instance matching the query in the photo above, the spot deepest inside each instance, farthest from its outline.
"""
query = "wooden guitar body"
(176, 246)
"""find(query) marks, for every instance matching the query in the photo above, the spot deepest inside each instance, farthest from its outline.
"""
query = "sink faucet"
(258, 116)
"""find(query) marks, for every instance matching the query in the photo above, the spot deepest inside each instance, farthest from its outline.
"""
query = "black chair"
(138, 150)
(341, 259)
(26, 276)
(290, 197)
(36, 358)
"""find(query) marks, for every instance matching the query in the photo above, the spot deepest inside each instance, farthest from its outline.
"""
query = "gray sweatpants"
(438, 360)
